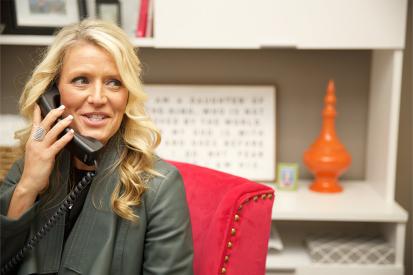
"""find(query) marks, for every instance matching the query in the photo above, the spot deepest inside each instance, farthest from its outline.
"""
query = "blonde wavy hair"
(139, 134)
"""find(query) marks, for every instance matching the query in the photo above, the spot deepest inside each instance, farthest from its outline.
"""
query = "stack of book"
(137, 17)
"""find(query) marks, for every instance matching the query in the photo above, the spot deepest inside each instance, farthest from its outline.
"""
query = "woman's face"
(92, 91)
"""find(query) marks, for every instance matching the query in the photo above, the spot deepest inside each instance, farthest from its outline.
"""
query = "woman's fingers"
(51, 117)
(41, 150)
(57, 129)
(62, 142)
(37, 115)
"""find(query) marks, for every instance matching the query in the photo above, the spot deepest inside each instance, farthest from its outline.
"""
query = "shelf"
(292, 256)
(358, 202)
(143, 42)
(295, 258)
(45, 40)
(29, 40)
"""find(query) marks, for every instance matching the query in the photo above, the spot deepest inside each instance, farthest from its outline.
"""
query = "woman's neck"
(81, 166)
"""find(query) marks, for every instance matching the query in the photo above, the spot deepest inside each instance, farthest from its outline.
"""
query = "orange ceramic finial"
(327, 158)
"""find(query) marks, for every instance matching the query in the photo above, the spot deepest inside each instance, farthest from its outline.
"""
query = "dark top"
(73, 213)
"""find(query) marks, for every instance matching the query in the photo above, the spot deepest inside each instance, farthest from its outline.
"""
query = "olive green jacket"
(101, 242)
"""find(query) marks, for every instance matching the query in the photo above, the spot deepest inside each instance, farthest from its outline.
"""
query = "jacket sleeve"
(168, 242)
(13, 232)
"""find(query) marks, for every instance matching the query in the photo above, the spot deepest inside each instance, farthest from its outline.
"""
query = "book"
(143, 19)
(129, 15)
(149, 27)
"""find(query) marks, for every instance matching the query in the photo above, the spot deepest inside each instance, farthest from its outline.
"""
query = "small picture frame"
(287, 176)
(43, 17)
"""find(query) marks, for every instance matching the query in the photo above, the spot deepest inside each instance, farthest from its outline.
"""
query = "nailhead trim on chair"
(234, 230)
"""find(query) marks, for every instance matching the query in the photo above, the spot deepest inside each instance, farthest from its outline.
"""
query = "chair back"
(231, 221)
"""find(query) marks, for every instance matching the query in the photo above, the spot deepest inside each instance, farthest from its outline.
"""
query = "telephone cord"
(64, 207)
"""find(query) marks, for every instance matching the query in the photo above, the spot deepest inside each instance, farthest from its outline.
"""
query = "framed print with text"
(231, 128)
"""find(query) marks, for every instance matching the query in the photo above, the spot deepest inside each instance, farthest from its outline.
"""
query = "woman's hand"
(40, 154)
(39, 159)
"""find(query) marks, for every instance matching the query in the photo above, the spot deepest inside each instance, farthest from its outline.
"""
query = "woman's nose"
(97, 95)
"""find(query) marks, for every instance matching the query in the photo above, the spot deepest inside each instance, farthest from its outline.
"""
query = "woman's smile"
(95, 119)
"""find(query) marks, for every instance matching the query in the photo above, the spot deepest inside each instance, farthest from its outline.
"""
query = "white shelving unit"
(358, 202)
(378, 26)
(375, 25)
(45, 40)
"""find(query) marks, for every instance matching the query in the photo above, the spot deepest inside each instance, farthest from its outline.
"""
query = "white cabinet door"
(322, 24)
(370, 24)
(207, 23)
(279, 24)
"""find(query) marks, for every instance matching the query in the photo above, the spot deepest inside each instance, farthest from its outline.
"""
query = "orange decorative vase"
(327, 158)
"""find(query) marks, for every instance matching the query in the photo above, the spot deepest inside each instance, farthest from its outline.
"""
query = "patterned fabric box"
(337, 249)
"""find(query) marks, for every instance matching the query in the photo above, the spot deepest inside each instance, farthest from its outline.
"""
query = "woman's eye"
(114, 83)
(80, 81)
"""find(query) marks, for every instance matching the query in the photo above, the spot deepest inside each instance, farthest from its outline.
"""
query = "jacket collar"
(94, 232)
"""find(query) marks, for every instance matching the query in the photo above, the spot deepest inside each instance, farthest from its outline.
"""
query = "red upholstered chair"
(231, 220)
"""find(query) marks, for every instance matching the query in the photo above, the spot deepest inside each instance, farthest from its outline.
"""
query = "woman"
(133, 218)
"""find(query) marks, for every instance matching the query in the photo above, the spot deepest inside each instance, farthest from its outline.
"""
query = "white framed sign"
(227, 128)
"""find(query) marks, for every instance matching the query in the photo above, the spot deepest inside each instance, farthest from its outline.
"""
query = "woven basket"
(8, 155)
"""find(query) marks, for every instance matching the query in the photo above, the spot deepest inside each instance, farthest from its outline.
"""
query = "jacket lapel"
(89, 248)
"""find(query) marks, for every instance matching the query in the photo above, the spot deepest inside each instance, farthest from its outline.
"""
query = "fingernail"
(61, 107)
(71, 131)
(69, 117)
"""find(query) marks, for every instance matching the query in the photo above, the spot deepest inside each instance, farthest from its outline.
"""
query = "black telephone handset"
(84, 148)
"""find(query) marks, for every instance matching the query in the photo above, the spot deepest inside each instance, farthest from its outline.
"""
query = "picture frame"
(230, 128)
(287, 176)
(42, 17)
(108, 10)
